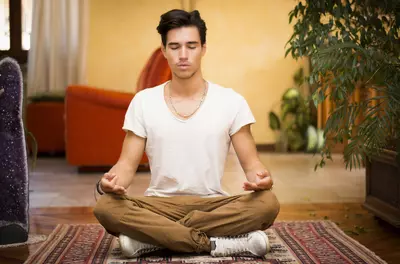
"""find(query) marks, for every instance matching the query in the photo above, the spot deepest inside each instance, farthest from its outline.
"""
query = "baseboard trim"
(51, 154)
(265, 147)
(104, 169)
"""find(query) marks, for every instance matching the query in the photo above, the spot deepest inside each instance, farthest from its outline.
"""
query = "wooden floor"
(376, 235)
(55, 183)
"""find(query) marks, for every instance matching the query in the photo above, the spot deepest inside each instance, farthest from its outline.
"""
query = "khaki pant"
(185, 223)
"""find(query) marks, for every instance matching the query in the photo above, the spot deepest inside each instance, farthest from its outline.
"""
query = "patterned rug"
(291, 242)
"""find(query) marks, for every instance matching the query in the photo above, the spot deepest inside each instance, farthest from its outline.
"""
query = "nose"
(183, 53)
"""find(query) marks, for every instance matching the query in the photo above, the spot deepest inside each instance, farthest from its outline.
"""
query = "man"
(186, 126)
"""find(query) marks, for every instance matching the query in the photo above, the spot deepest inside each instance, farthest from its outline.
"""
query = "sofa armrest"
(93, 122)
(100, 96)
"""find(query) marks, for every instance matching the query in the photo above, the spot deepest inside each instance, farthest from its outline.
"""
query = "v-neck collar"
(206, 99)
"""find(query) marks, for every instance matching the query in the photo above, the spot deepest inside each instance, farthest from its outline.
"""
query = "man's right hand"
(108, 184)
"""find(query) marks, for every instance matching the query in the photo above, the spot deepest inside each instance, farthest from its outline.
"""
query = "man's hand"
(260, 181)
(108, 184)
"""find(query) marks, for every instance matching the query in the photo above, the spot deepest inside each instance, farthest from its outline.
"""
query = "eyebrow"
(177, 43)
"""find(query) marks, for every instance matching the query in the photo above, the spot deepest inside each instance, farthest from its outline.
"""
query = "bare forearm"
(256, 166)
(120, 177)
(258, 177)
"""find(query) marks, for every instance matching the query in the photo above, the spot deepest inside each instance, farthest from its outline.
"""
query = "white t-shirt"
(187, 157)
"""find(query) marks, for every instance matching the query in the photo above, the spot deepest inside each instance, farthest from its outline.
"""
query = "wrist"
(98, 188)
(255, 167)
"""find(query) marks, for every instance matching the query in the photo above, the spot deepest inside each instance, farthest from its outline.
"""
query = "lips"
(183, 66)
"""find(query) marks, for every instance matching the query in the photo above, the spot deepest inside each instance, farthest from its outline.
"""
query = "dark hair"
(177, 18)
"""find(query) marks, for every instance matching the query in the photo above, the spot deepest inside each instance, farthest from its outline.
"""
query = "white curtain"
(57, 56)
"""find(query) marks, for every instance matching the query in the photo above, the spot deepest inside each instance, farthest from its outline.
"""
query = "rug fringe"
(32, 239)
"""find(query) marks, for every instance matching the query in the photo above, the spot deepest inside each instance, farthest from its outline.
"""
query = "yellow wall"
(122, 36)
(245, 47)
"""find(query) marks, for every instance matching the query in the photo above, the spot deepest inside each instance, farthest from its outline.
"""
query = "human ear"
(203, 49)
(163, 49)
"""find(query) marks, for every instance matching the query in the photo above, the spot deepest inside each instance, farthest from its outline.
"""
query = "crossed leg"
(185, 223)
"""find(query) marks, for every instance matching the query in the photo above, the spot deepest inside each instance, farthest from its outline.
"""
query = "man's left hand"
(262, 181)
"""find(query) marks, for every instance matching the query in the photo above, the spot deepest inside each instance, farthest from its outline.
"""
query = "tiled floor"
(54, 183)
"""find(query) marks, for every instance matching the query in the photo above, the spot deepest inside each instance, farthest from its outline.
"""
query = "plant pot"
(383, 187)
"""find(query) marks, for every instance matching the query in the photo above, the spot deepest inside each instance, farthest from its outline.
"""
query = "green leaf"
(322, 163)
(291, 17)
(318, 97)
(274, 122)
(339, 24)
(291, 94)
(288, 51)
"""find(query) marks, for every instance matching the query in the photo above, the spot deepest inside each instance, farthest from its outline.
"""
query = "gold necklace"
(189, 115)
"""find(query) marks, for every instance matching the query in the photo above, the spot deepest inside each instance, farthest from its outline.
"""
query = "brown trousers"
(185, 223)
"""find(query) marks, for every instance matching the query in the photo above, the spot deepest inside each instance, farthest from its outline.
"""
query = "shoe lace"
(234, 245)
(147, 248)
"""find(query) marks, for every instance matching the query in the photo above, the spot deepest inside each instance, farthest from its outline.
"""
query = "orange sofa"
(45, 120)
(156, 71)
(94, 117)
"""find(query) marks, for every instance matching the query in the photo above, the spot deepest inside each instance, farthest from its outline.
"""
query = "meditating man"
(186, 126)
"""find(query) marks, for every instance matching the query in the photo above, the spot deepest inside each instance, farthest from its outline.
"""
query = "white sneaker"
(132, 248)
(253, 244)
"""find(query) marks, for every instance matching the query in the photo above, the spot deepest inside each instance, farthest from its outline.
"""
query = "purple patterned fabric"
(14, 202)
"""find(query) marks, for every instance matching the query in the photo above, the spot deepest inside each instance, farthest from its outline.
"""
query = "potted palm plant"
(295, 125)
(354, 45)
